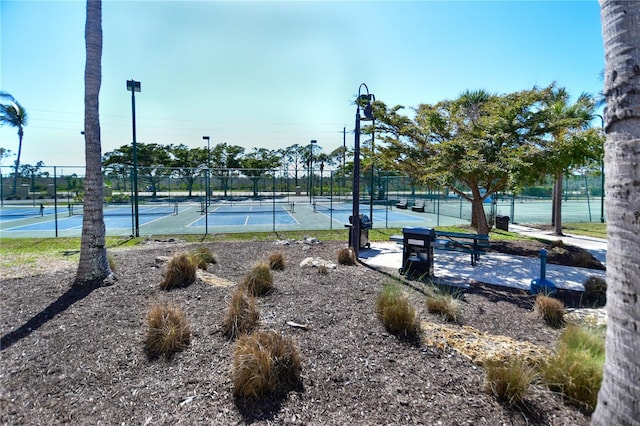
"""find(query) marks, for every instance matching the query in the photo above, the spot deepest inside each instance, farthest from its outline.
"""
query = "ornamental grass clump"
(167, 330)
(445, 304)
(550, 310)
(510, 381)
(346, 256)
(242, 315)
(396, 312)
(180, 272)
(259, 281)
(595, 291)
(265, 363)
(575, 370)
(277, 261)
(202, 257)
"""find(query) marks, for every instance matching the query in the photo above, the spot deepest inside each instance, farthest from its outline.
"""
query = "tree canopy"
(477, 144)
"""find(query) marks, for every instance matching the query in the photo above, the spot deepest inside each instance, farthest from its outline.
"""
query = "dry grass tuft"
(112, 262)
(265, 363)
(346, 256)
(576, 368)
(242, 315)
(509, 381)
(595, 291)
(180, 272)
(446, 305)
(277, 261)
(323, 270)
(395, 311)
(168, 331)
(259, 281)
(550, 310)
(202, 257)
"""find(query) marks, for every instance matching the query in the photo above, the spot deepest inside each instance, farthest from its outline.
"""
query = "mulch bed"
(78, 357)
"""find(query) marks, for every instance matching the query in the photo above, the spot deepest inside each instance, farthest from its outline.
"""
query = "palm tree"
(566, 122)
(93, 267)
(620, 391)
(14, 115)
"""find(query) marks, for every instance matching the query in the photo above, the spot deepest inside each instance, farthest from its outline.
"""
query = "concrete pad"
(492, 268)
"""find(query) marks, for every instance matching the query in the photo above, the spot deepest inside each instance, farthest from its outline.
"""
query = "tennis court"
(116, 218)
(341, 212)
(247, 215)
(265, 215)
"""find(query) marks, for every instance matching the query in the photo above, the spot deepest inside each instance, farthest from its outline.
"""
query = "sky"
(273, 74)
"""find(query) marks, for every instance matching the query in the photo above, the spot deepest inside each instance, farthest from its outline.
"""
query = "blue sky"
(273, 74)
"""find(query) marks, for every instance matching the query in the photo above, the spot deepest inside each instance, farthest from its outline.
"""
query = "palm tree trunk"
(93, 266)
(620, 391)
(17, 167)
(557, 204)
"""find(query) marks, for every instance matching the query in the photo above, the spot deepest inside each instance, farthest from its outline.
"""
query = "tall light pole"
(363, 100)
(207, 138)
(372, 165)
(207, 187)
(133, 87)
(313, 142)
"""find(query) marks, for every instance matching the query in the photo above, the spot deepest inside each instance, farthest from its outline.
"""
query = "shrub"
(259, 280)
(396, 312)
(595, 291)
(550, 310)
(276, 261)
(509, 381)
(168, 331)
(346, 256)
(264, 363)
(446, 305)
(242, 315)
(181, 271)
(202, 256)
(575, 369)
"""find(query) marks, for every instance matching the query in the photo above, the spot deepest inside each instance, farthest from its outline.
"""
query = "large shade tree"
(93, 266)
(619, 396)
(14, 115)
(475, 145)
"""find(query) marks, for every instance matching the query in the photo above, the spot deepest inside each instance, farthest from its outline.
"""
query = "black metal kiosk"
(417, 253)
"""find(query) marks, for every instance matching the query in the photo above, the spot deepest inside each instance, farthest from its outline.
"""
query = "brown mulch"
(78, 356)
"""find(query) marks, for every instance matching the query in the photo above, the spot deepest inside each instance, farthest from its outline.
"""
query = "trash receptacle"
(417, 252)
(502, 222)
(365, 225)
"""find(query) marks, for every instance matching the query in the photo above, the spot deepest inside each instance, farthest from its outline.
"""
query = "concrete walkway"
(497, 268)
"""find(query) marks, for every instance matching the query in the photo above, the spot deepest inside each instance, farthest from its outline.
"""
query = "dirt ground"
(77, 357)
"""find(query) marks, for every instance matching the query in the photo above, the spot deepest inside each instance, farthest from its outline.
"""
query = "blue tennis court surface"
(246, 216)
(15, 213)
(114, 217)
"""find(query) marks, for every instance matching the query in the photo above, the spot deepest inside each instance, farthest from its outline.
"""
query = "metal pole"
(601, 176)
(602, 192)
(344, 154)
(135, 165)
(372, 175)
(206, 203)
(355, 219)
(55, 199)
